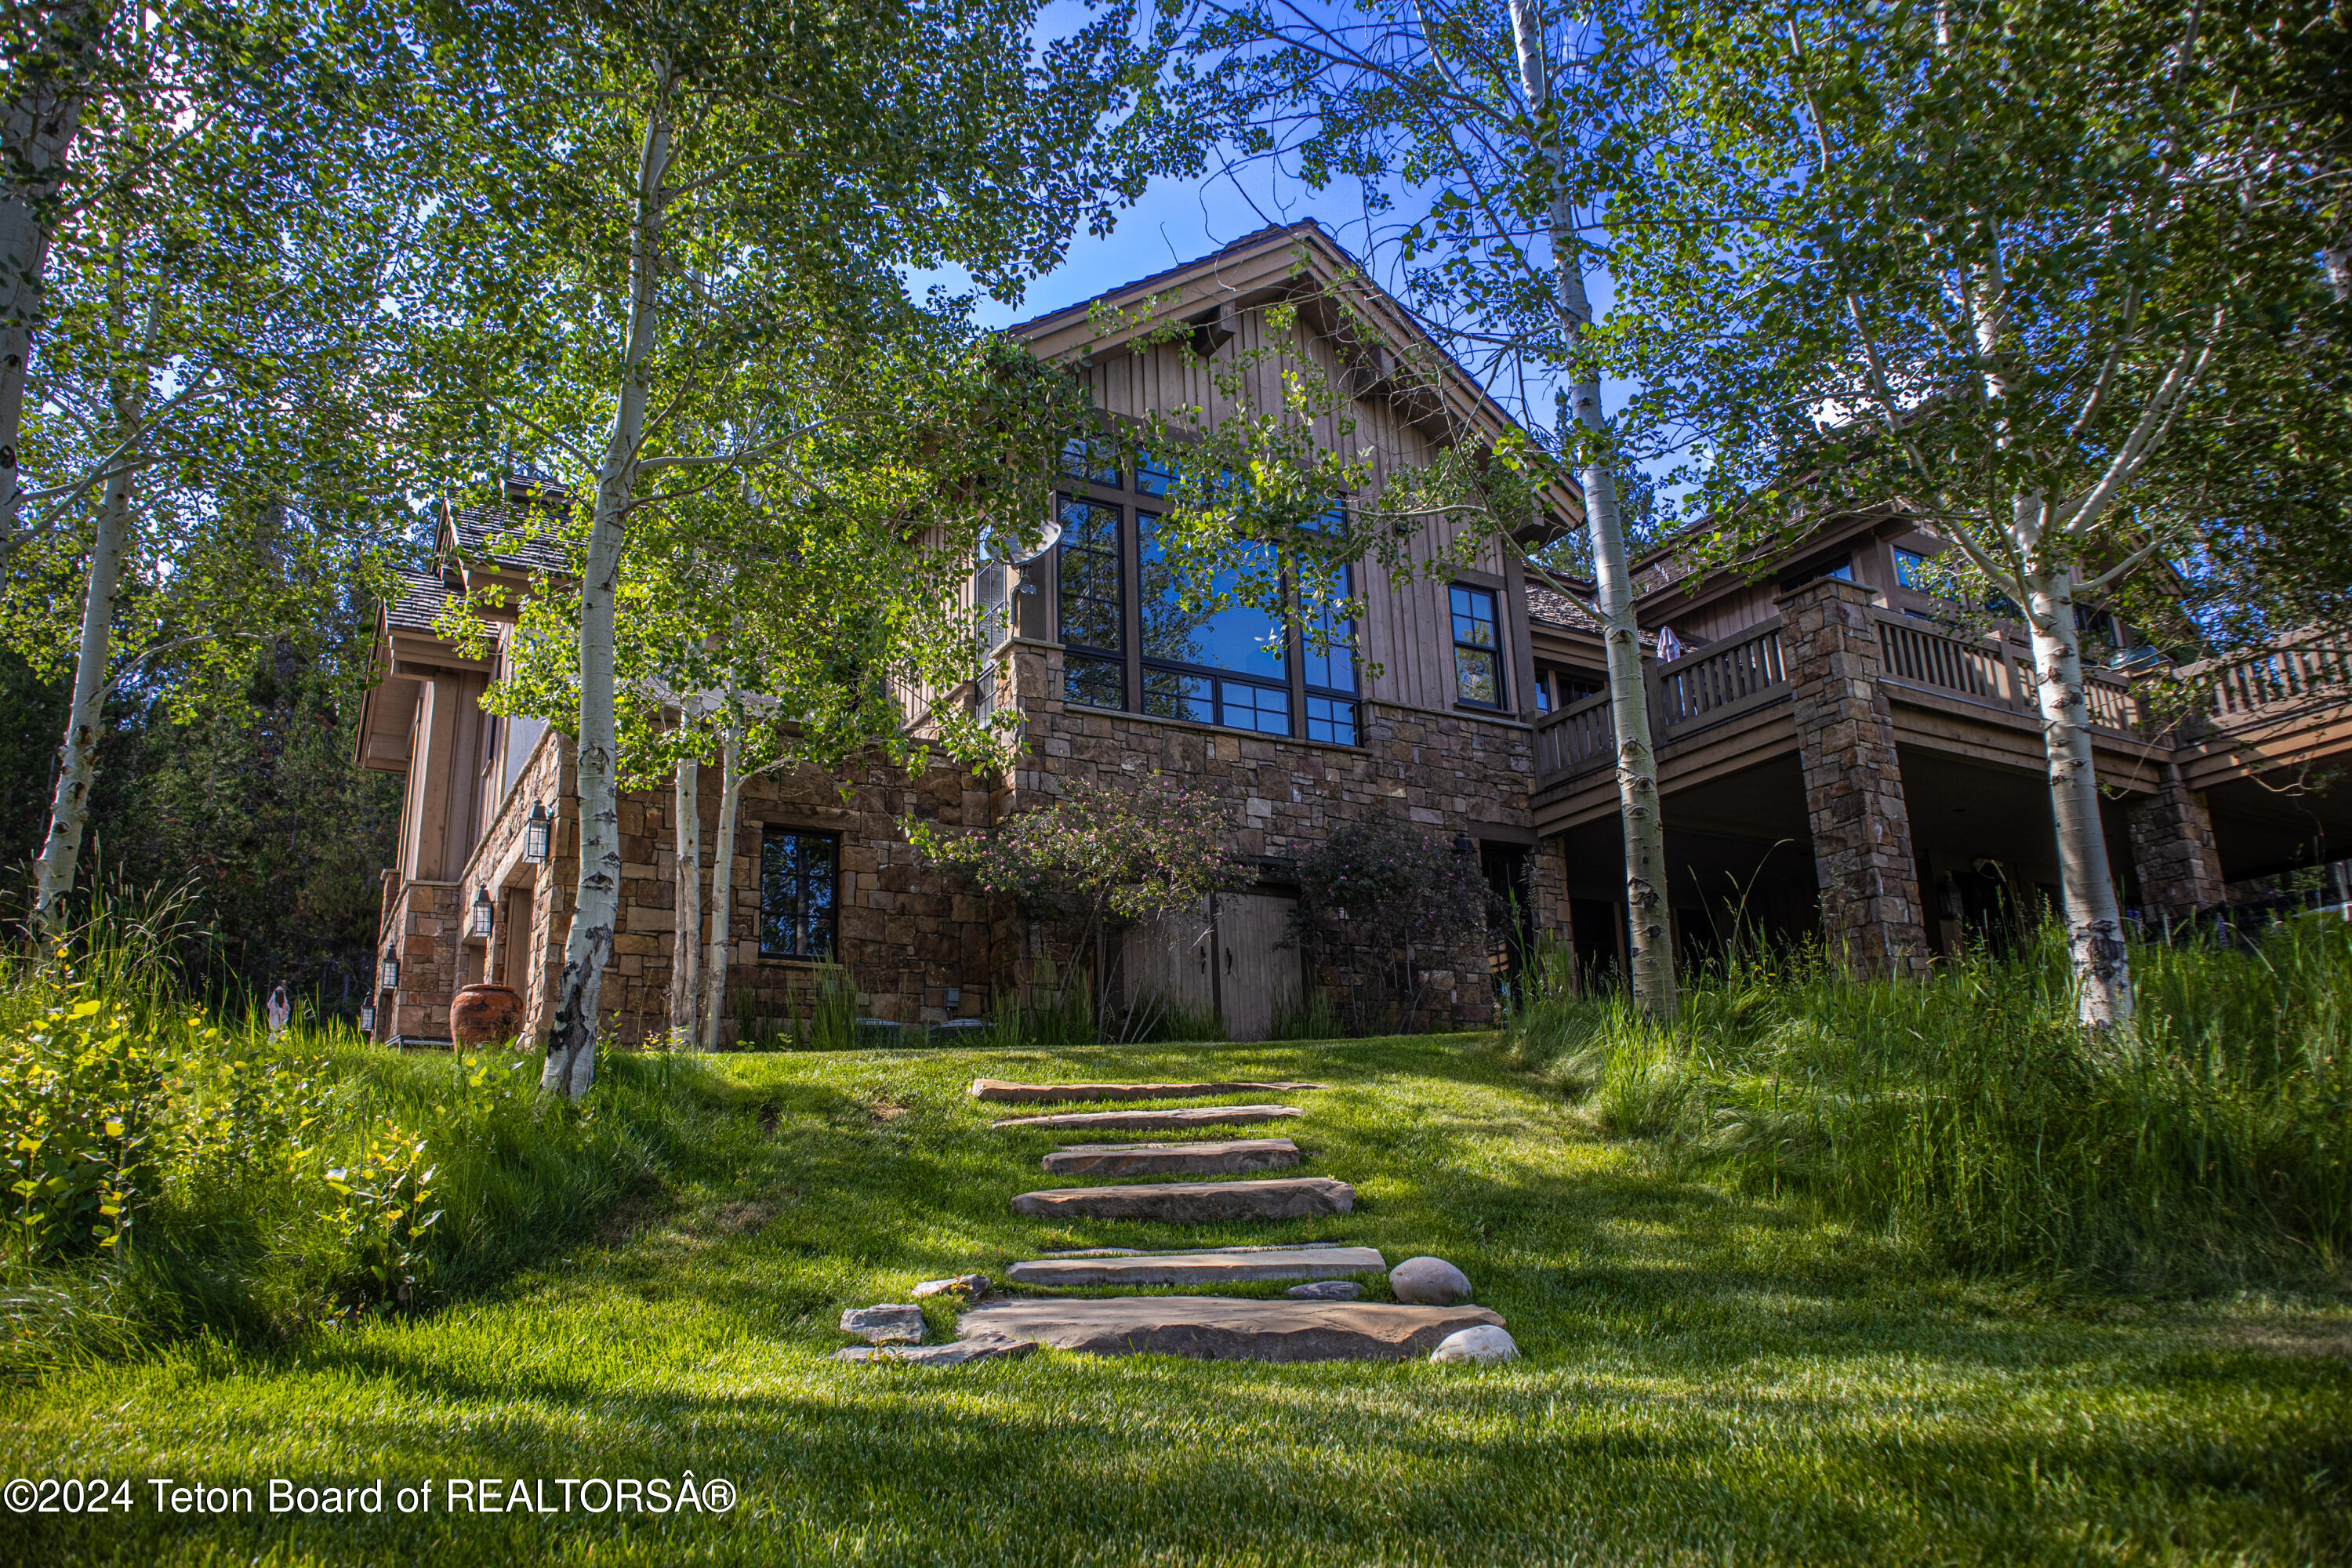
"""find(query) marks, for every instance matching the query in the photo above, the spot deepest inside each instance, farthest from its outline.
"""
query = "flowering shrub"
(1381, 896)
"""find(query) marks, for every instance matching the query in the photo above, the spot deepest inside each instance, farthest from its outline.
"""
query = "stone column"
(1871, 910)
(2172, 850)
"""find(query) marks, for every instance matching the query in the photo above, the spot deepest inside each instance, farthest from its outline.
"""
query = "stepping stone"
(1196, 1203)
(955, 1354)
(891, 1323)
(1041, 1093)
(972, 1285)
(1326, 1291)
(1224, 1328)
(1182, 1120)
(1157, 1159)
(1222, 1266)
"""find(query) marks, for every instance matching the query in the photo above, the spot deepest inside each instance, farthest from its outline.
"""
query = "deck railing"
(2270, 686)
(1715, 683)
(1992, 670)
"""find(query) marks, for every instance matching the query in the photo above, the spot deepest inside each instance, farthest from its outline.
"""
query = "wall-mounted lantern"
(537, 834)
(367, 1019)
(479, 923)
(387, 974)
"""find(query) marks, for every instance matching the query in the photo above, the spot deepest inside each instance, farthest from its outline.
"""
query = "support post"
(2173, 851)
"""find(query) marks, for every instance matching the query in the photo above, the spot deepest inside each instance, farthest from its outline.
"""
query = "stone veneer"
(906, 934)
(2173, 851)
(1871, 909)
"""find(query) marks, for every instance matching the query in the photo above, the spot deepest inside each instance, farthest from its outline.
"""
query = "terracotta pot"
(482, 1014)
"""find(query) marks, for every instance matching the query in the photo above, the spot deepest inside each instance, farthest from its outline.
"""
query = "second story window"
(1093, 609)
(799, 884)
(1331, 711)
(1477, 648)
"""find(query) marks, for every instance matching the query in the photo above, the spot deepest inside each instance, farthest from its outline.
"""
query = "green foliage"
(1394, 903)
(1973, 1118)
(79, 1094)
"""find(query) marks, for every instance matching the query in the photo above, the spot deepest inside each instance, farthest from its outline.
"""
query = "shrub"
(1388, 900)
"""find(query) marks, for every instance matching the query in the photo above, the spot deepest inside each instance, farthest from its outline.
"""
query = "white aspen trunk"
(686, 946)
(571, 1068)
(37, 135)
(2094, 927)
(78, 753)
(1638, 810)
(722, 889)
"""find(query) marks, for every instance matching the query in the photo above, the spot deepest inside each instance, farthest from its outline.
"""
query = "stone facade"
(1871, 909)
(2174, 854)
(420, 921)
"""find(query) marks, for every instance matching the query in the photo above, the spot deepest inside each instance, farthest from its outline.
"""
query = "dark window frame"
(1492, 652)
(1087, 653)
(774, 837)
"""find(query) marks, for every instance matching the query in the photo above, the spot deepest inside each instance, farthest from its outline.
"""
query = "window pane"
(1094, 682)
(1475, 677)
(1153, 477)
(1248, 706)
(1094, 459)
(1473, 617)
(1090, 576)
(798, 892)
(1240, 638)
(1330, 718)
(1334, 670)
(1168, 695)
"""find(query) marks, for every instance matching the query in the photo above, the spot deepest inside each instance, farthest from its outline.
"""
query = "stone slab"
(1224, 1328)
(958, 1354)
(1182, 1119)
(1231, 1156)
(1213, 1267)
(1046, 1093)
(1195, 1202)
(887, 1323)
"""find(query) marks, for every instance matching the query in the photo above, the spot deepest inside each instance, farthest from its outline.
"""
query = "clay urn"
(481, 1014)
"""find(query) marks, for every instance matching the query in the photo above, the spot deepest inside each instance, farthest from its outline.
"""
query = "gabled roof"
(1256, 269)
(422, 595)
(511, 533)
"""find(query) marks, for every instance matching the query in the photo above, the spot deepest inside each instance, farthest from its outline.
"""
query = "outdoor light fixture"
(536, 832)
(1462, 844)
(387, 975)
(480, 923)
(367, 1020)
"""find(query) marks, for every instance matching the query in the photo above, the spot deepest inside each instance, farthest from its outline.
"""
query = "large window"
(1477, 648)
(1209, 665)
(1331, 710)
(1094, 609)
(800, 880)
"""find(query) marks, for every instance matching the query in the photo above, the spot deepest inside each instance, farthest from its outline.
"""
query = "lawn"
(1706, 1377)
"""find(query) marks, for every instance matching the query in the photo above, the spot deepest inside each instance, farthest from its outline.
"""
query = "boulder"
(972, 1285)
(1224, 1328)
(1428, 1282)
(1326, 1290)
(1219, 1267)
(1195, 1202)
(1481, 1346)
(891, 1323)
(1228, 1158)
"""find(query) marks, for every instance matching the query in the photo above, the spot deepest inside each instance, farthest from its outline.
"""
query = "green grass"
(1711, 1373)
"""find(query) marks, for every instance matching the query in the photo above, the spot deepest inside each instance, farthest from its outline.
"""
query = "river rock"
(891, 1323)
(1481, 1346)
(1429, 1281)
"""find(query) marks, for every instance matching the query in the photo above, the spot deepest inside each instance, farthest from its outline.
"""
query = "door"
(1165, 962)
(1260, 975)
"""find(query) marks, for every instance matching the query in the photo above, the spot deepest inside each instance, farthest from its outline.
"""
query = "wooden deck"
(1725, 707)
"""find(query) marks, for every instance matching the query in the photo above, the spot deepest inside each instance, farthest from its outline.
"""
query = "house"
(1834, 754)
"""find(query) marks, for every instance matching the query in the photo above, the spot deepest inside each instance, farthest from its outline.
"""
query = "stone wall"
(1860, 825)
(2173, 852)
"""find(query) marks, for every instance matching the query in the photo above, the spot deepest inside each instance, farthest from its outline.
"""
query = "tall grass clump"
(170, 1172)
(1970, 1115)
